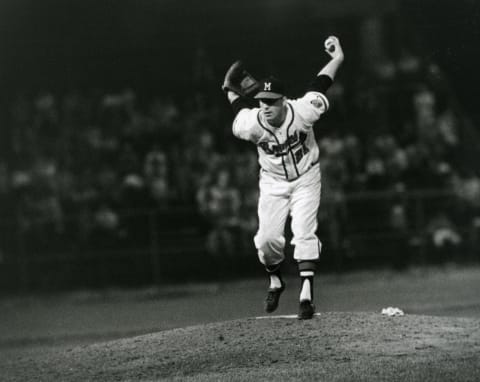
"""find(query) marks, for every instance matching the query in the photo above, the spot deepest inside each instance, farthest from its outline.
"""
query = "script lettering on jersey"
(290, 143)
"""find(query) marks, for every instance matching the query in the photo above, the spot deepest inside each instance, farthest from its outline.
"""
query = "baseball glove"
(238, 80)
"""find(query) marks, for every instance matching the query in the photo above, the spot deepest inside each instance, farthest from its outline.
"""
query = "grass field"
(203, 332)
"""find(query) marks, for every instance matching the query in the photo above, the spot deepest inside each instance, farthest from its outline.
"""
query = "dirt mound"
(332, 346)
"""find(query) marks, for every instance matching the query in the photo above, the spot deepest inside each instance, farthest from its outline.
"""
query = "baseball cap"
(270, 88)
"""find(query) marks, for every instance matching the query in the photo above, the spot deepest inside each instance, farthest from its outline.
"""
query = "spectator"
(106, 229)
(444, 238)
(157, 177)
(247, 221)
(467, 211)
(220, 202)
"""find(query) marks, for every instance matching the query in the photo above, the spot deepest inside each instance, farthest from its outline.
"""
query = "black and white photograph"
(255, 190)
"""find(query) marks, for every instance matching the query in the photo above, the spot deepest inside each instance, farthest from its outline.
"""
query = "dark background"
(65, 67)
(151, 45)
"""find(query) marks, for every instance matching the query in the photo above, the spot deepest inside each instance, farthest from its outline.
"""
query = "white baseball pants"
(278, 198)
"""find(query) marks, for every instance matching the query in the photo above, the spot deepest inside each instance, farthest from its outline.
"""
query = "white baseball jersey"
(286, 154)
(290, 150)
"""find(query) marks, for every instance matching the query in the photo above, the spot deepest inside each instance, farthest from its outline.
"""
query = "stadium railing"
(169, 245)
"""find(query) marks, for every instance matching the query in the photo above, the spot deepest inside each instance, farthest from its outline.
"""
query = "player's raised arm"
(335, 51)
(239, 86)
(315, 102)
(326, 75)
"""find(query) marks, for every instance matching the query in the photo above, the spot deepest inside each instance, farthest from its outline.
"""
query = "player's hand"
(232, 96)
(333, 48)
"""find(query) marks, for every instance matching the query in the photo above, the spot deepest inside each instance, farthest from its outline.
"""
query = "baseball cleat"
(306, 310)
(273, 296)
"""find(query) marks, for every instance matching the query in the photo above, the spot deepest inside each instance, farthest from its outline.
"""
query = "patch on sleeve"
(317, 102)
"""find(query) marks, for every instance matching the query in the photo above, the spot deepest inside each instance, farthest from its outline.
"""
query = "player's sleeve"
(246, 125)
(311, 106)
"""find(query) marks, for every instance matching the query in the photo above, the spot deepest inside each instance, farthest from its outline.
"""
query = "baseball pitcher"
(290, 180)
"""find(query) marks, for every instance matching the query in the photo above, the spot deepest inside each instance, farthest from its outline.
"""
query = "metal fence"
(156, 246)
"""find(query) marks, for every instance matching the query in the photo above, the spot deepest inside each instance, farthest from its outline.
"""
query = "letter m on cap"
(267, 86)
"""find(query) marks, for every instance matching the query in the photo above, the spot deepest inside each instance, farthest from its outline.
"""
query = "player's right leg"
(270, 240)
(275, 289)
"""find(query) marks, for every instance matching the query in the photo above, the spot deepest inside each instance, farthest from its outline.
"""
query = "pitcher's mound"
(331, 346)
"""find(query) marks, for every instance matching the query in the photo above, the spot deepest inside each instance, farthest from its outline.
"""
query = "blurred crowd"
(78, 165)
(400, 137)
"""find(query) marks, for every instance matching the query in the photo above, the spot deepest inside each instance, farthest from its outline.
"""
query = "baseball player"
(289, 180)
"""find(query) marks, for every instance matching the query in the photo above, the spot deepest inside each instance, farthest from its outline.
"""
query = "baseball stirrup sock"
(306, 293)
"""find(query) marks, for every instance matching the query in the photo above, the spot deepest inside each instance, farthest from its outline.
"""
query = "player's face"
(273, 110)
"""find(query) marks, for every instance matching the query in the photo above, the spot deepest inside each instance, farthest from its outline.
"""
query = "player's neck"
(278, 121)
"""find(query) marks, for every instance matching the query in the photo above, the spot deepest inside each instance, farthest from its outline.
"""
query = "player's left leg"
(305, 202)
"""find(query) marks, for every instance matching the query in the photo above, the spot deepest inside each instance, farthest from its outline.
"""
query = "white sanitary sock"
(307, 285)
(275, 282)
(306, 292)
